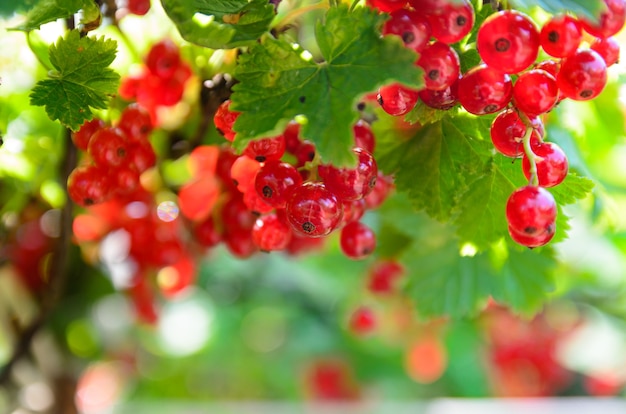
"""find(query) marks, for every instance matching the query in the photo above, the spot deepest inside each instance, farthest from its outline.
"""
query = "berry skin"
(383, 276)
(552, 165)
(89, 185)
(453, 22)
(312, 210)
(274, 182)
(535, 92)
(582, 76)
(387, 6)
(534, 241)
(397, 100)
(351, 183)
(108, 147)
(444, 99)
(357, 240)
(507, 133)
(561, 36)
(441, 66)
(163, 59)
(139, 7)
(508, 41)
(270, 233)
(141, 155)
(550, 66)
(412, 27)
(135, 122)
(483, 90)
(607, 48)
(82, 137)
(224, 120)
(363, 136)
(531, 211)
(266, 149)
(363, 321)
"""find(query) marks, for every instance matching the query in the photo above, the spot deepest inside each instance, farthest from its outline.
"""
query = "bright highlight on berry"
(168, 211)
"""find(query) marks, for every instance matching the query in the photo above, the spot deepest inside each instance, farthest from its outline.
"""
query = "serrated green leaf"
(572, 189)
(277, 82)
(587, 8)
(438, 164)
(83, 79)
(46, 11)
(481, 218)
(223, 24)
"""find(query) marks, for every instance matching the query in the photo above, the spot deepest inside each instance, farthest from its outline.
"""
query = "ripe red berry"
(507, 133)
(357, 240)
(363, 321)
(552, 165)
(535, 92)
(561, 35)
(351, 183)
(412, 27)
(266, 149)
(532, 241)
(453, 22)
(582, 76)
(312, 210)
(444, 99)
(610, 22)
(531, 211)
(386, 5)
(508, 41)
(138, 7)
(274, 182)
(484, 90)
(441, 66)
(163, 59)
(82, 137)
(270, 233)
(607, 48)
(224, 120)
(363, 136)
(383, 276)
(397, 100)
(109, 147)
(135, 122)
(88, 185)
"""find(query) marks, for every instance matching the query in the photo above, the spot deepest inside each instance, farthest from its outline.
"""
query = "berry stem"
(532, 158)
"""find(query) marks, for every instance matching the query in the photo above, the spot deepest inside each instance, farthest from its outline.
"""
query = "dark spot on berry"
(366, 251)
(144, 129)
(255, 213)
(220, 131)
(360, 106)
(550, 229)
(586, 93)
(267, 192)
(302, 99)
(553, 36)
(235, 182)
(502, 44)
(88, 202)
(308, 227)
(433, 74)
(121, 152)
(408, 37)
(530, 230)
(372, 182)
(311, 155)
(490, 108)
(461, 20)
(260, 158)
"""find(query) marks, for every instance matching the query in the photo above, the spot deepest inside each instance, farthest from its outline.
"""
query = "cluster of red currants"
(116, 157)
(161, 82)
(297, 195)
(509, 43)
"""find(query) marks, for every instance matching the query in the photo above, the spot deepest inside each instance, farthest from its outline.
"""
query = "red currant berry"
(224, 120)
(533, 241)
(141, 155)
(138, 7)
(353, 210)
(508, 41)
(135, 122)
(235, 214)
(380, 192)
(312, 210)
(383, 276)
(552, 165)
(305, 153)
(444, 100)
(357, 240)
(124, 179)
(274, 182)
(429, 6)
(109, 147)
(397, 100)
(607, 48)
(243, 172)
(163, 59)
(266, 149)
(535, 92)
(88, 185)
(363, 136)
(82, 137)
(351, 183)
(292, 137)
(453, 22)
(412, 27)
(206, 233)
(531, 211)
(582, 76)
(270, 233)
(441, 66)
(386, 6)
(561, 36)
(484, 90)
(550, 66)
(363, 321)
(239, 243)
(507, 133)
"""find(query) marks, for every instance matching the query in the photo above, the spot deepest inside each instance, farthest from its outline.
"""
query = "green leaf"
(220, 24)
(572, 189)
(46, 11)
(8, 8)
(587, 8)
(277, 82)
(83, 79)
(482, 220)
(424, 114)
(437, 165)
(444, 283)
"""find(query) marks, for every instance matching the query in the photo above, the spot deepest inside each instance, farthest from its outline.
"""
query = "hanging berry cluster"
(508, 43)
(306, 198)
